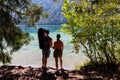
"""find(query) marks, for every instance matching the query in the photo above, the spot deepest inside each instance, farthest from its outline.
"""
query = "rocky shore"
(31, 73)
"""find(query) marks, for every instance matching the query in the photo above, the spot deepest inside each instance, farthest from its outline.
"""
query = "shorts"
(46, 53)
(57, 53)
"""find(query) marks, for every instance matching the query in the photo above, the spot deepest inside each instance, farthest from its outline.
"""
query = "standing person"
(46, 43)
(58, 50)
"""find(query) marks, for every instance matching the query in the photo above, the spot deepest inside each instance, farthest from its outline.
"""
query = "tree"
(94, 25)
(13, 12)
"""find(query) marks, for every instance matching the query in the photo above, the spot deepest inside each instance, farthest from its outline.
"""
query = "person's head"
(46, 32)
(58, 36)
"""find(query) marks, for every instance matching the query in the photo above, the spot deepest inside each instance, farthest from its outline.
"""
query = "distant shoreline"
(43, 24)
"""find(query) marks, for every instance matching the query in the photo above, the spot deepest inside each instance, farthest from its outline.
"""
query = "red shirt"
(58, 44)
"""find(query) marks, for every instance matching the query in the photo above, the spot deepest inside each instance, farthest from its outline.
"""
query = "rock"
(30, 73)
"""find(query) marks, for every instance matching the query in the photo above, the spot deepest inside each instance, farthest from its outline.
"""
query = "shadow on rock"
(47, 76)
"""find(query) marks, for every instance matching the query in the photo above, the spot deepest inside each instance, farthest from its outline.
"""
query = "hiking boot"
(58, 73)
(62, 70)
(44, 69)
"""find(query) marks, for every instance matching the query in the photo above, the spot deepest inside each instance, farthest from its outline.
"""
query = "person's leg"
(47, 54)
(60, 62)
(43, 61)
(56, 63)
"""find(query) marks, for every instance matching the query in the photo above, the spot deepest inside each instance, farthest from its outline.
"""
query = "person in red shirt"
(58, 50)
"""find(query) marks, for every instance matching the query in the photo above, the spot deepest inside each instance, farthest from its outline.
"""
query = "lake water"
(31, 55)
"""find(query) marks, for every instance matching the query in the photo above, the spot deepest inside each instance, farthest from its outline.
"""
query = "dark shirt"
(47, 41)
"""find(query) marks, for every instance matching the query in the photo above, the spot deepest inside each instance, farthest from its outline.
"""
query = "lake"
(31, 55)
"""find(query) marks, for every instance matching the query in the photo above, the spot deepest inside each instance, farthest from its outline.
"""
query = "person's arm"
(51, 43)
(62, 45)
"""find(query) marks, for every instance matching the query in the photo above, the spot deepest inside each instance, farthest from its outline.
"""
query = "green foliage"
(12, 38)
(95, 25)
(5, 57)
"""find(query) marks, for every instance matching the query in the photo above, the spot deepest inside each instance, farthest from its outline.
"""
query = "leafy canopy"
(12, 13)
(95, 26)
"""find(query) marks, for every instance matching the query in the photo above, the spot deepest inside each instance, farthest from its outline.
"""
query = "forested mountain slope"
(54, 11)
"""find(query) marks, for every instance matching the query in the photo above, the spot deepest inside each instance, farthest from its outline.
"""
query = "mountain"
(54, 11)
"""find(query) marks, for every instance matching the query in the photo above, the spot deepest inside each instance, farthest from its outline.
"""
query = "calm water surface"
(30, 55)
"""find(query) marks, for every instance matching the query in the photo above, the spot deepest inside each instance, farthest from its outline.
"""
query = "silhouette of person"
(58, 50)
(45, 42)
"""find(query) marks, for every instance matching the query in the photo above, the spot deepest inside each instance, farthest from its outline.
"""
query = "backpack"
(41, 37)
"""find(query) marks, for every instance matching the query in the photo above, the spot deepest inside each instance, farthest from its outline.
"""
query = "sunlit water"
(31, 55)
